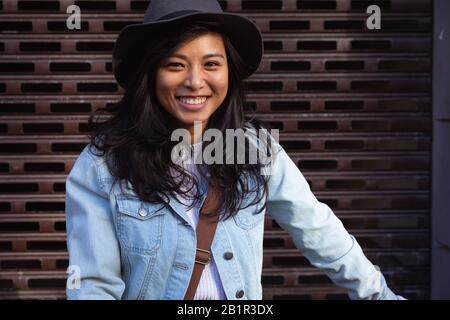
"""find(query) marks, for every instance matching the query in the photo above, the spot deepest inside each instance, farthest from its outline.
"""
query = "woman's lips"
(192, 104)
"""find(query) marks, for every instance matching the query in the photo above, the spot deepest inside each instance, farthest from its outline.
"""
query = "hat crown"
(158, 9)
(132, 41)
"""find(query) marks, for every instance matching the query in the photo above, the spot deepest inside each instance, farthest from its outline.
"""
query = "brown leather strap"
(206, 228)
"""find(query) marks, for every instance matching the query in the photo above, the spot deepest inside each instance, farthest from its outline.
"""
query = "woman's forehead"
(210, 41)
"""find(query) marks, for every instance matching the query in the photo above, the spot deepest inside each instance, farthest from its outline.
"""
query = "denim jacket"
(125, 248)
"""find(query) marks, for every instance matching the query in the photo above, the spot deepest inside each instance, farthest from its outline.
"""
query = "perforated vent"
(353, 107)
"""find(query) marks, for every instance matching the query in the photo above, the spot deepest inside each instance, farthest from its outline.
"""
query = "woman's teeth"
(198, 100)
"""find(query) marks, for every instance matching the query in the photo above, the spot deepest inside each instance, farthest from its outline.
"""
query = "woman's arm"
(91, 239)
(319, 234)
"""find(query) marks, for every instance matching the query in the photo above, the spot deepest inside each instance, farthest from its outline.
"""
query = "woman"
(133, 212)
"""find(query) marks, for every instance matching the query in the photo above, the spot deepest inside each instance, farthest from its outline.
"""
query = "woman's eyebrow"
(212, 55)
(206, 56)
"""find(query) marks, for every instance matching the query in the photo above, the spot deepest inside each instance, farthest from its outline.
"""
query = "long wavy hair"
(136, 138)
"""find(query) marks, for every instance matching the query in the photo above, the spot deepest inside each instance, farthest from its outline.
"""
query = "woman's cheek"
(221, 83)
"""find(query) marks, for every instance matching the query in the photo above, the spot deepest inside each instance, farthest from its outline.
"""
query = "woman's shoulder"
(262, 136)
(93, 157)
(91, 153)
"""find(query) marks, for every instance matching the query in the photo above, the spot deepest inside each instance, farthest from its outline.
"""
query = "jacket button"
(240, 294)
(143, 212)
(228, 255)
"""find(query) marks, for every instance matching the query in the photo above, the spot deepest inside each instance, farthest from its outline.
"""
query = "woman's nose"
(194, 79)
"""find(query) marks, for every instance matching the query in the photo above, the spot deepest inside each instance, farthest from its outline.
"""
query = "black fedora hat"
(129, 46)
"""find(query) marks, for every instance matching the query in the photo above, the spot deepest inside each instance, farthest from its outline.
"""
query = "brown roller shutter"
(353, 107)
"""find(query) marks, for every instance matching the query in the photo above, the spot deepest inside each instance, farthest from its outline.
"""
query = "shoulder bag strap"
(206, 229)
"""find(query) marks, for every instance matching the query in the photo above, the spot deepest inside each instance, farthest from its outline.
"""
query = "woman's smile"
(192, 103)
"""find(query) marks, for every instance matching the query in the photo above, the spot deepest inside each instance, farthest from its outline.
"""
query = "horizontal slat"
(261, 16)
(49, 58)
(277, 75)
(250, 96)
(242, 6)
(310, 22)
(272, 116)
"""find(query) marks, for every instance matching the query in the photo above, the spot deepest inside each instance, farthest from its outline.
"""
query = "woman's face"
(193, 82)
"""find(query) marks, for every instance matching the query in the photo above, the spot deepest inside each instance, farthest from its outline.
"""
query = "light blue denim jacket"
(129, 249)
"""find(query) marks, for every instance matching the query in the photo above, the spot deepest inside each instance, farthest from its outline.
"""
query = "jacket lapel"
(180, 209)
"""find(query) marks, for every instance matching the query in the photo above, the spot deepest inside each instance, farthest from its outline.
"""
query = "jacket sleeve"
(319, 234)
(91, 239)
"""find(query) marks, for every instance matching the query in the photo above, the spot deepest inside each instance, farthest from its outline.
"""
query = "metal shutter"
(353, 107)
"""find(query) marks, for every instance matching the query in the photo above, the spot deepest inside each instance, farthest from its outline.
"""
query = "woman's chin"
(190, 120)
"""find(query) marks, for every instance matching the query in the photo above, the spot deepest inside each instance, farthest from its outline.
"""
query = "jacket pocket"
(139, 224)
(248, 218)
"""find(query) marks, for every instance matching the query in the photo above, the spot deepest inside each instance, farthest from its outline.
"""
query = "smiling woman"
(179, 69)
(140, 226)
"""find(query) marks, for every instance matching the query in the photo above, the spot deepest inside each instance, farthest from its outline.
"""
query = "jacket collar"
(180, 209)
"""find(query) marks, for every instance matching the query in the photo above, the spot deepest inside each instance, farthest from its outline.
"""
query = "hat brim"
(242, 32)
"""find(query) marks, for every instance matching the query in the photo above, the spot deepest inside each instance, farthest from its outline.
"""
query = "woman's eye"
(175, 65)
(212, 64)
